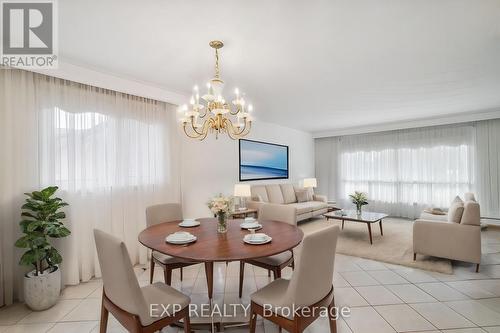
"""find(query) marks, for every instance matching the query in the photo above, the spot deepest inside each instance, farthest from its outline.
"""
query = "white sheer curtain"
(403, 171)
(110, 153)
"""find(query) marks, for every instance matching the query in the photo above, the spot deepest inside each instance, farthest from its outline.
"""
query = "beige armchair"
(310, 287)
(130, 304)
(456, 235)
(158, 214)
(279, 261)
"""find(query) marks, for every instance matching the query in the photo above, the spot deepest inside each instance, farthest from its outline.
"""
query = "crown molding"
(99, 78)
(415, 123)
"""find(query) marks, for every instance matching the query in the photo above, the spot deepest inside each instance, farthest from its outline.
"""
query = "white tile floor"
(382, 297)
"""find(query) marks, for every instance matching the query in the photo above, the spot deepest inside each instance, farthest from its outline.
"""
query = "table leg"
(209, 272)
(370, 232)
(381, 231)
(342, 224)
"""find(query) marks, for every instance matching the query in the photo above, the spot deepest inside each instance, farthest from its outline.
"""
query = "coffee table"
(353, 216)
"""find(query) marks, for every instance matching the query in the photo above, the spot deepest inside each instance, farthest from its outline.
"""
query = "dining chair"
(310, 289)
(278, 261)
(156, 214)
(130, 304)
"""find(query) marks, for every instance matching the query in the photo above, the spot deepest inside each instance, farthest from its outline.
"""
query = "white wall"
(210, 167)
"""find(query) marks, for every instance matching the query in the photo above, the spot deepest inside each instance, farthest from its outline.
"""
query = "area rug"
(394, 247)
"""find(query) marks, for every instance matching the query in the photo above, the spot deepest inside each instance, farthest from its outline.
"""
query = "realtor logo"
(28, 34)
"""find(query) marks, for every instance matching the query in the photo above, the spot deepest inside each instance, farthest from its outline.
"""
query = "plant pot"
(42, 292)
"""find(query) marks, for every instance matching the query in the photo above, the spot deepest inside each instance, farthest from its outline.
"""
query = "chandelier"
(214, 116)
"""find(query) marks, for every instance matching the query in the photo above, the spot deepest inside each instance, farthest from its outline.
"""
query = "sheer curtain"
(404, 171)
(111, 154)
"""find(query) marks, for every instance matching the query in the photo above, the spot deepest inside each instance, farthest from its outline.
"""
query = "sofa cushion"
(259, 191)
(288, 193)
(471, 214)
(308, 206)
(301, 195)
(433, 217)
(456, 210)
(274, 194)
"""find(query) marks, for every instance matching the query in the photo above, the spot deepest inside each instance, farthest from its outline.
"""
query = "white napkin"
(180, 236)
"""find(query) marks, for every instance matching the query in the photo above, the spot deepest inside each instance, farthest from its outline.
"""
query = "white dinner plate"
(189, 224)
(255, 226)
(247, 239)
(181, 241)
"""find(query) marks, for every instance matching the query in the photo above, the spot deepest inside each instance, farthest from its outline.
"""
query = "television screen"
(262, 160)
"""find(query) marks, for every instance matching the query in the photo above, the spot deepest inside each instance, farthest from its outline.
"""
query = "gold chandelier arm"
(233, 133)
(189, 135)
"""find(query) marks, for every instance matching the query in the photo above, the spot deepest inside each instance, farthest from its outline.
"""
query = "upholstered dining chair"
(158, 214)
(130, 304)
(310, 290)
(278, 261)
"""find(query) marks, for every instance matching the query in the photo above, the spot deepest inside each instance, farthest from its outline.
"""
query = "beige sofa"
(284, 194)
(456, 235)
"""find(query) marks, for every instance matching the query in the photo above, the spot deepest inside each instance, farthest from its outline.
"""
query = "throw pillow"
(302, 195)
(456, 210)
(257, 198)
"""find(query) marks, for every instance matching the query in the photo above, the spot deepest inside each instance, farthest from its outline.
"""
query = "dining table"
(212, 246)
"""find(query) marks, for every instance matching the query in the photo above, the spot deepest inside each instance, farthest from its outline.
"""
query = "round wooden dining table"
(212, 246)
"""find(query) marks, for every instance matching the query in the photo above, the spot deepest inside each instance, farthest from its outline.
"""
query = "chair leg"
(477, 268)
(253, 320)
(277, 273)
(167, 274)
(182, 275)
(331, 317)
(187, 324)
(151, 270)
(242, 274)
(104, 319)
(414, 256)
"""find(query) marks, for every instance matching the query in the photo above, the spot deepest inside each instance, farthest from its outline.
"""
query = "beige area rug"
(395, 247)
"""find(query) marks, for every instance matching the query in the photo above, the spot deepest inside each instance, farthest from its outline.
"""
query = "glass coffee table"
(353, 216)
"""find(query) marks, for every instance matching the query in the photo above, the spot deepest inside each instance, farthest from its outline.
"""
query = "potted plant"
(41, 220)
(359, 199)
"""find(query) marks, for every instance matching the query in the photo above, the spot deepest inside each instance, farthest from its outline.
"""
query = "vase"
(221, 223)
(358, 210)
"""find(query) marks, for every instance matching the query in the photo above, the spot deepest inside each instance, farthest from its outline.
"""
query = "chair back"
(163, 213)
(120, 283)
(282, 213)
(313, 275)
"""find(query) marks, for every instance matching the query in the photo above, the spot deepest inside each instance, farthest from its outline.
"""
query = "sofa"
(288, 194)
(455, 235)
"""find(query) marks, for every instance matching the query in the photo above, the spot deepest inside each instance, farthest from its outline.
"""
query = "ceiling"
(307, 64)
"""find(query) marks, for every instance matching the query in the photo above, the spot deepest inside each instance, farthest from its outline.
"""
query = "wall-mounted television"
(262, 160)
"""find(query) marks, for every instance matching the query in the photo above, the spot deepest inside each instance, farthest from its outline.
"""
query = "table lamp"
(242, 191)
(310, 182)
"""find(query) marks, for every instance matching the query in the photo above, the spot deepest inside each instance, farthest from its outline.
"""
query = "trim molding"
(425, 122)
(111, 81)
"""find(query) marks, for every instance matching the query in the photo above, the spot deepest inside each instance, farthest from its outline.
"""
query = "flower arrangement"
(221, 206)
(359, 199)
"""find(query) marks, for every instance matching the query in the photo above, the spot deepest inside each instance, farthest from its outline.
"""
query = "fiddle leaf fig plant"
(41, 221)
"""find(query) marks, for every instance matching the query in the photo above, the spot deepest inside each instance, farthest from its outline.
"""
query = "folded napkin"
(180, 235)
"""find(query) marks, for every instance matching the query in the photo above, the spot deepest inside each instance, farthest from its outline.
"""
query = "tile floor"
(382, 298)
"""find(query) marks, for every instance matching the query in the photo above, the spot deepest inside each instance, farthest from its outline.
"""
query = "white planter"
(42, 291)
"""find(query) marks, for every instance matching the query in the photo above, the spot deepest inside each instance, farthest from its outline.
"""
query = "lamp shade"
(242, 190)
(310, 182)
